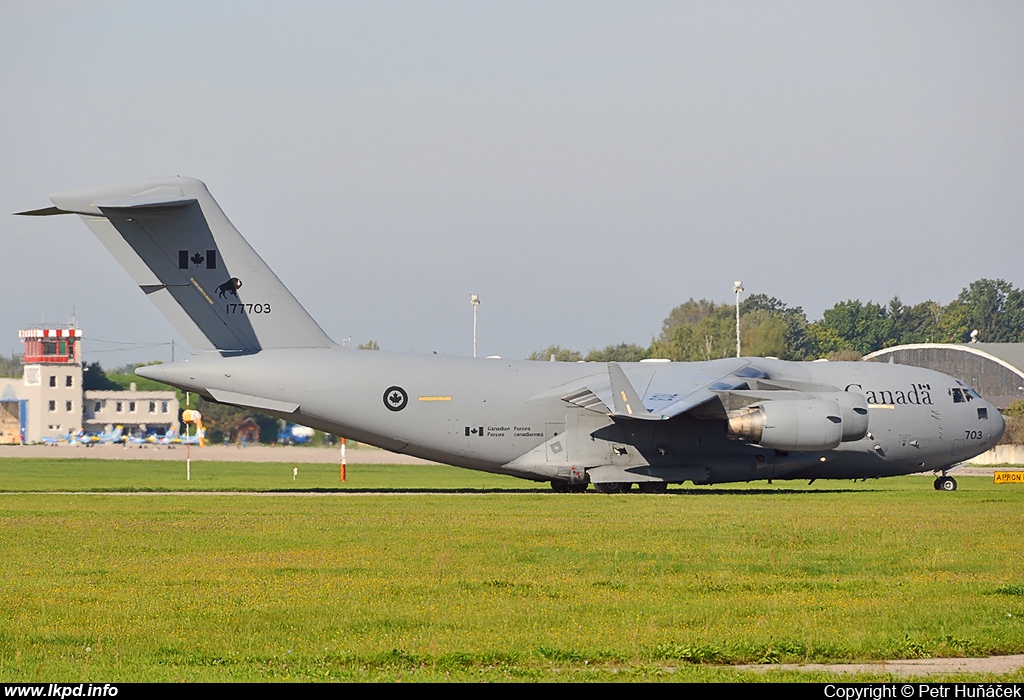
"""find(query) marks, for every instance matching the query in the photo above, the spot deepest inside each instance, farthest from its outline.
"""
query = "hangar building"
(994, 370)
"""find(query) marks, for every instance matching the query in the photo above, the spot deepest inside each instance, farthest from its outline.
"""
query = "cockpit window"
(982, 413)
(969, 394)
(958, 396)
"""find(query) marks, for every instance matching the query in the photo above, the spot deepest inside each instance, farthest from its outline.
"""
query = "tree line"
(706, 330)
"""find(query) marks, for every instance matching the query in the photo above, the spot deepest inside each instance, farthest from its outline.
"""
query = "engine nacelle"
(854, 412)
(800, 425)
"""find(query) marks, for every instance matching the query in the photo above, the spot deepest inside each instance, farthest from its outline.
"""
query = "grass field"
(152, 475)
(504, 583)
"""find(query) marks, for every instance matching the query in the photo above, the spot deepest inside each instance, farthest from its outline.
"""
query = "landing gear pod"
(799, 425)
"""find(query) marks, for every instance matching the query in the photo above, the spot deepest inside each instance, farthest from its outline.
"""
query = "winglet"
(627, 401)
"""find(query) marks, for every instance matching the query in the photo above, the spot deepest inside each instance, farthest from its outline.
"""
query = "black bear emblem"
(229, 287)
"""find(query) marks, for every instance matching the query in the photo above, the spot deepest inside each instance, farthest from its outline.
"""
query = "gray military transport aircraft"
(650, 423)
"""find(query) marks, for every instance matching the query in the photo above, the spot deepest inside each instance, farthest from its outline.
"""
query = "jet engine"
(854, 409)
(800, 425)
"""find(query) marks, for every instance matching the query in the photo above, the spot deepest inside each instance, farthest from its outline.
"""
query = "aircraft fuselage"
(510, 416)
(610, 424)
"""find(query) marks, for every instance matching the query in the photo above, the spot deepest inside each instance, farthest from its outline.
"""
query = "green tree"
(93, 378)
(709, 338)
(561, 354)
(763, 334)
(623, 352)
(995, 308)
(689, 313)
(915, 324)
(954, 326)
(368, 345)
(11, 366)
(861, 327)
(825, 340)
(796, 344)
(704, 330)
(695, 330)
(844, 356)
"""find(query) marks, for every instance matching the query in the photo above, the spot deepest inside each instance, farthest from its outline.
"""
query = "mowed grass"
(501, 584)
(151, 475)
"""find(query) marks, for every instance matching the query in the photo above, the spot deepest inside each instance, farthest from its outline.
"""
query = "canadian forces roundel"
(395, 398)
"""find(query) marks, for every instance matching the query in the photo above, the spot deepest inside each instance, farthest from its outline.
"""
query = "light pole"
(475, 301)
(737, 287)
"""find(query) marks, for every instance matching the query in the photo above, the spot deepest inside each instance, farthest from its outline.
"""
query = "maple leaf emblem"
(197, 259)
(395, 398)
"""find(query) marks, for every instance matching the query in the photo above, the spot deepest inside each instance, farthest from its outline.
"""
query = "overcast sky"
(582, 166)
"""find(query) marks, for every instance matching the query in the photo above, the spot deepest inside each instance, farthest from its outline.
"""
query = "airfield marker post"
(188, 446)
(342, 465)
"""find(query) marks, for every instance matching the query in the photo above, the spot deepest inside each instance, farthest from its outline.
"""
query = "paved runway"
(212, 453)
(906, 667)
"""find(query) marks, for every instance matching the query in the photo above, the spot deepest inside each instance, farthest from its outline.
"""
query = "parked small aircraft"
(114, 435)
(155, 439)
(608, 424)
(68, 439)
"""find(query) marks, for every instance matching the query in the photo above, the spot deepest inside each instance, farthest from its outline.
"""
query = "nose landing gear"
(945, 483)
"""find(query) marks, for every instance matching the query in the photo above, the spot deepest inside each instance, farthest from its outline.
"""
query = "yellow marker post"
(341, 467)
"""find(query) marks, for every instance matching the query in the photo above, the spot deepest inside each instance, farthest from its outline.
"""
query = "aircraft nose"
(155, 372)
(999, 424)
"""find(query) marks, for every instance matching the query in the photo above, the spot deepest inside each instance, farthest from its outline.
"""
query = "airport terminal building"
(49, 402)
(994, 370)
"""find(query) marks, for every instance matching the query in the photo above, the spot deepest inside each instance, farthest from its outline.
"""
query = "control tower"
(52, 381)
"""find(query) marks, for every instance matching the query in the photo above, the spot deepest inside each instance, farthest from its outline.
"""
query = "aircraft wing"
(659, 392)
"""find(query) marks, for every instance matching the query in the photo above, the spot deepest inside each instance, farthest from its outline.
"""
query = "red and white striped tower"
(58, 345)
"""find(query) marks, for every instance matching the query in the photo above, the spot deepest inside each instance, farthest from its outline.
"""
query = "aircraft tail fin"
(174, 240)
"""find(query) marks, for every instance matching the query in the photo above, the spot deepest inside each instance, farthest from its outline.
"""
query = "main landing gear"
(644, 486)
(610, 487)
(945, 483)
(562, 486)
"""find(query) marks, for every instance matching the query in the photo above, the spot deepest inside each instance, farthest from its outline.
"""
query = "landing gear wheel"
(563, 486)
(612, 487)
(653, 487)
(945, 483)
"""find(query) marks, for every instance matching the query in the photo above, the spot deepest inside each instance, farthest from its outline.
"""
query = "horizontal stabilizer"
(48, 211)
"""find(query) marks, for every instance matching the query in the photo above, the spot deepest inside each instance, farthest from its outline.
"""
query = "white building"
(48, 401)
(137, 411)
